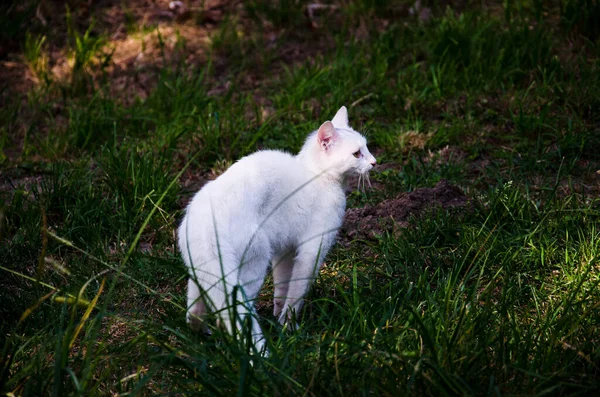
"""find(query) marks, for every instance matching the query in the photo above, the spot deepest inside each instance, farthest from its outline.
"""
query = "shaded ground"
(141, 38)
(129, 31)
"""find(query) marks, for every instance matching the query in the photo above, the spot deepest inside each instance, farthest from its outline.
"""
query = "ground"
(393, 214)
(468, 267)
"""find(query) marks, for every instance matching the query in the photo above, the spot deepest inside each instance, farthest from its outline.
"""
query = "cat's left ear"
(341, 118)
(326, 135)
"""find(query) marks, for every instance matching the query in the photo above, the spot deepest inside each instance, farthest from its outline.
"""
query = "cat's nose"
(373, 161)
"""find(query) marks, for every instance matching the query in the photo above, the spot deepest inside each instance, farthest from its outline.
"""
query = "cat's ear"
(341, 118)
(326, 135)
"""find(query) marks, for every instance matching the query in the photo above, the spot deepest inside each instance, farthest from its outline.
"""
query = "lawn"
(469, 268)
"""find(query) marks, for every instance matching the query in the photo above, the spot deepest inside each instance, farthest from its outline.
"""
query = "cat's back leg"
(252, 272)
(228, 288)
(196, 308)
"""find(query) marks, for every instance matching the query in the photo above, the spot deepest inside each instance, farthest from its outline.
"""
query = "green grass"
(497, 298)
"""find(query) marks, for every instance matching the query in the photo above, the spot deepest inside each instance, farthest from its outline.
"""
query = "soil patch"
(393, 214)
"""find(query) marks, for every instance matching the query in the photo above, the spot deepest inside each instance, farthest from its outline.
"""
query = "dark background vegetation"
(113, 113)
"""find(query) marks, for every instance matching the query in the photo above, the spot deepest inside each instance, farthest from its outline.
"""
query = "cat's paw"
(264, 353)
(291, 325)
(196, 324)
(277, 306)
(287, 319)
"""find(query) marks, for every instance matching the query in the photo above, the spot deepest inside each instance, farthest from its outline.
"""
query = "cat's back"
(262, 166)
(252, 181)
(260, 170)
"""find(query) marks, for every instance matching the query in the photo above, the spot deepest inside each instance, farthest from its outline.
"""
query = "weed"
(87, 52)
(35, 57)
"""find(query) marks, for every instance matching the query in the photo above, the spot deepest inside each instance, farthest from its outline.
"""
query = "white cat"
(269, 208)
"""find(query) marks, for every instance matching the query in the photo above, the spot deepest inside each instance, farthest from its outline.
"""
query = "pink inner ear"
(326, 134)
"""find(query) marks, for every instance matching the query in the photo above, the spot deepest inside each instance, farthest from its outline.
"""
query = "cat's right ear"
(341, 118)
(326, 135)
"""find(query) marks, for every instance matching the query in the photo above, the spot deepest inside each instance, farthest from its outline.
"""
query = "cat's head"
(338, 149)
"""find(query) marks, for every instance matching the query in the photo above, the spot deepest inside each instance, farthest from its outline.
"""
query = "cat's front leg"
(306, 267)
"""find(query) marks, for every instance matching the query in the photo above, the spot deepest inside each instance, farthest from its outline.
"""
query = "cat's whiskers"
(362, 182)
(368, 181)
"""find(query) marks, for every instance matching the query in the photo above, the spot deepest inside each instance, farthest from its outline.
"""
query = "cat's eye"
(356, 154)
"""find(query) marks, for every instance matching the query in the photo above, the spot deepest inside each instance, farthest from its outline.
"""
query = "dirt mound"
(393, 214)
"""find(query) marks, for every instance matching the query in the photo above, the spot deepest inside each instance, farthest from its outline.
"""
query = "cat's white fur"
(268, 208)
